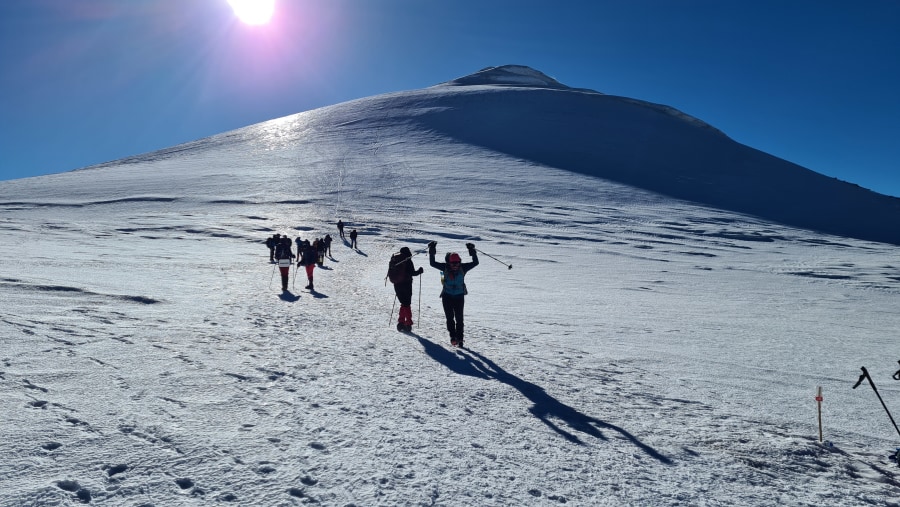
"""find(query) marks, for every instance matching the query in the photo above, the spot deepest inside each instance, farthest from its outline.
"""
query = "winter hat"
(454, 257)
(405, 251)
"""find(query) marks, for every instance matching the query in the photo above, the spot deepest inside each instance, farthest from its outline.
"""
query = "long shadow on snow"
(456, 363)
(546, 407)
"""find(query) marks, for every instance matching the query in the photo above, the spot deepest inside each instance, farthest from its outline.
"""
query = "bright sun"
(253, 12)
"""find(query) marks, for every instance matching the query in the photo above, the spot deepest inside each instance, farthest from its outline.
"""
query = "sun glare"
(253, 12)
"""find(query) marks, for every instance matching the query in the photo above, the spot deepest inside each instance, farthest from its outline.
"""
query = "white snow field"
(644, 349)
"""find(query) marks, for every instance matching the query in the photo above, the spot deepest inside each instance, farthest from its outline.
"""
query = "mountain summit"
(524, 113)
(508, 75)
(520, 112)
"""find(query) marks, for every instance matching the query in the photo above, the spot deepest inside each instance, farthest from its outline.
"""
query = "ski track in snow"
(641, 351)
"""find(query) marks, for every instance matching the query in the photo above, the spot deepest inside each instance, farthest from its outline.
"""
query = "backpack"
(282, 251)
(396, 268)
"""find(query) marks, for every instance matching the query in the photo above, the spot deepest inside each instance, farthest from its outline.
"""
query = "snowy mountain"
(675, 300)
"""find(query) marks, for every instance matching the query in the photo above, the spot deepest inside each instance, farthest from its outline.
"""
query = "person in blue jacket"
(453, 295)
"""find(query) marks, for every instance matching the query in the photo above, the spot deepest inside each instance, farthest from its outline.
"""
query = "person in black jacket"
(327, 239)
(453, 295)
(271, 242)
(403, 272)
(285, 258)
(308, 257)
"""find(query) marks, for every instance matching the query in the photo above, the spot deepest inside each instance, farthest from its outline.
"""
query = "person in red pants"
(401, 272)
(308, 257)
(285, 258)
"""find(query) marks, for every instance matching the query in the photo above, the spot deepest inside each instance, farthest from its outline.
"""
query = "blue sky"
(89, 81)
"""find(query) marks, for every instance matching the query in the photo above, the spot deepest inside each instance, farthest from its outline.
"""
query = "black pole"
(391, 317)
(508, 266)
(865, 375)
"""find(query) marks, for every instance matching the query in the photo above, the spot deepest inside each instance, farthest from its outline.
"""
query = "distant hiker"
(299, 241)
(284, 257)
(317, 248)
(271, 242)
(308, 256)
(453, 295)
(320, 251)
(328, 244)
(353, 239)
(401, 272)
(341, 228)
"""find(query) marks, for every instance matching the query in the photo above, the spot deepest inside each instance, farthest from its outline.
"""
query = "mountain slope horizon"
(522, 112)
(656, 148)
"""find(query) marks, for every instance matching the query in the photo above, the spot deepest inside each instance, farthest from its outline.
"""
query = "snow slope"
(643, 350)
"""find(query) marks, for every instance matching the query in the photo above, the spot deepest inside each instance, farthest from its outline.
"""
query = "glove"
(470, 246)
(421, 270)
(432, 247)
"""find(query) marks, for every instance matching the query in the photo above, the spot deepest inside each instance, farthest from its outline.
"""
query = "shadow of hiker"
(288, 296)
(317, 295)
(455, 362)
(546, 407)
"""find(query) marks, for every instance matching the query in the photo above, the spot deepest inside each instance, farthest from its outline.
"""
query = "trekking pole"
(294, 281)
(865, 375)
(419, 318)
(509, 266)
(273, 275)
(391, 318)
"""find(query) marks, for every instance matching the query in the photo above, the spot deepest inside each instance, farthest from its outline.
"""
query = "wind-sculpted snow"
(643, 350)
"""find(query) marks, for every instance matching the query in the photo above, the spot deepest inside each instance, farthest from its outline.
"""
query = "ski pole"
(509, 266)
(294, 281)
(419, 318)
(391, 318)
(273, 275)
(865, 375)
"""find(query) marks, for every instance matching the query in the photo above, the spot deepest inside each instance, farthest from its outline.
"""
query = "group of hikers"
(400, 272)
(308, 255)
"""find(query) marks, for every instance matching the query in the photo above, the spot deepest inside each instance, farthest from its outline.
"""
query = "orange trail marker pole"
(819, 404)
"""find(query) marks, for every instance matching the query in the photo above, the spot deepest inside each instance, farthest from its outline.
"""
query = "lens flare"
(253, 12)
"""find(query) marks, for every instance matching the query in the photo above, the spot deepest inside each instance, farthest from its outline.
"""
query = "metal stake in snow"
(819, 403)
(865, 375)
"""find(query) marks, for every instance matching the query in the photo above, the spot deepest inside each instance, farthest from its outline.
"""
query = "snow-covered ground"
(641, 351)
